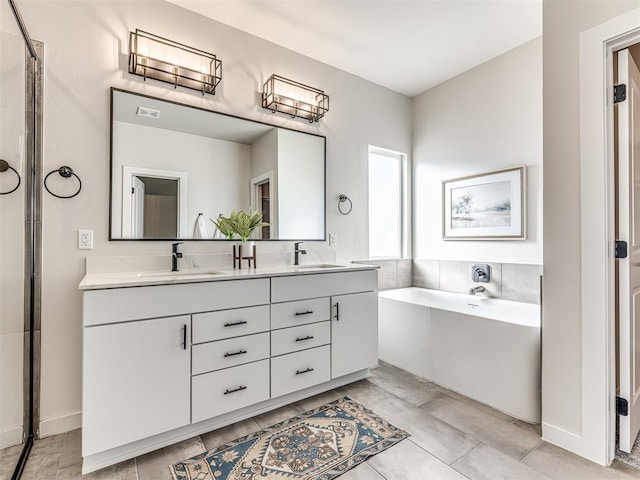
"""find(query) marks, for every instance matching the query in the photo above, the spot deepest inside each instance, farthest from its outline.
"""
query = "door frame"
(597, 438)
(254, 201)
(128, 172)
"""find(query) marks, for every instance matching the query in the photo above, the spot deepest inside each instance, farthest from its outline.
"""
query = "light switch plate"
(85, 239)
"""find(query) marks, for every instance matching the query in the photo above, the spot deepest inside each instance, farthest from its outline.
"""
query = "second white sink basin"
(181, 273)
(315, 267)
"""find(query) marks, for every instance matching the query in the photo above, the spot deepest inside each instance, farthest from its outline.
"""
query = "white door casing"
(629, 231)
(137, 207)
(129, 175)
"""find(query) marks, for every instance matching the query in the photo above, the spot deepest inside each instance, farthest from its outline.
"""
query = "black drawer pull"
(308, 312)
(300, 339)
(184, 337)
(233, 324)
(337, 312)
(241, 352)
(300, 372)
(227, 391)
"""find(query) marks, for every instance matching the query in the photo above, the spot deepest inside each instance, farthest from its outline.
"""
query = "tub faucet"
(478, 289)
(297, 252)
(175, 255)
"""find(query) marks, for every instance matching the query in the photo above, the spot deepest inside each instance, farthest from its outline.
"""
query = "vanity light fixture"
(280, 94)
(151, 56)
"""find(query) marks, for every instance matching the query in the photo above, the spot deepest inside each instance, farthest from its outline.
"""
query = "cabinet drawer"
(225, 390)
(293, 339)
(296, 371)
(284, 289)
(211, 326)
(292, 314)
(229, 353)
(136, 303)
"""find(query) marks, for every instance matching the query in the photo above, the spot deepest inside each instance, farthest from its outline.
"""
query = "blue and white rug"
(320, 444)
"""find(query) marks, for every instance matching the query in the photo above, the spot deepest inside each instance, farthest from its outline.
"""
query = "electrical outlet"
(85, 239)
(333, 239)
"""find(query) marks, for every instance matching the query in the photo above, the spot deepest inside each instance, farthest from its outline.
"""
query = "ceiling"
(406, 45)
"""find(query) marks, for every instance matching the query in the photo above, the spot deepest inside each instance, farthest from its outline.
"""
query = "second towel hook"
(65, 172)
(342, 199)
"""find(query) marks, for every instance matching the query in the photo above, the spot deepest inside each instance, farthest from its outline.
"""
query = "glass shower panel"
(12, 235)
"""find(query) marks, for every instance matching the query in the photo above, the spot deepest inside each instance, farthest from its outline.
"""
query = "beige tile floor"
(452, 437)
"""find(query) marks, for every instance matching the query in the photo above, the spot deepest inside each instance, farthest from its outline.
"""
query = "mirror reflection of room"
(176, 168)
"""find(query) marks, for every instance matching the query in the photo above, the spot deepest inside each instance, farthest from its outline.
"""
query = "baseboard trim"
(563, 438)
(55, 426)
(9, 438)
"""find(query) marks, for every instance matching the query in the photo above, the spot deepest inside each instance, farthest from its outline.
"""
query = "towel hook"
(65, 172)
(343, 198)
(4, 166)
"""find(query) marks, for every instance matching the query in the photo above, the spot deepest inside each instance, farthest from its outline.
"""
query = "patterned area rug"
(320, 444)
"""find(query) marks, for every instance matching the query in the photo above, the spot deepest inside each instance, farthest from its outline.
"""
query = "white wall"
(562, 368)
(264, 159)
(485, 119)
(217, 170)
(300, 189)
(86, 45)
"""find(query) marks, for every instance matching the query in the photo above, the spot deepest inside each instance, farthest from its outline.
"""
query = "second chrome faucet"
(297, 252)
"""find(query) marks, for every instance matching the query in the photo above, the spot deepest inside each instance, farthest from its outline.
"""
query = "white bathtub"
(484, 348)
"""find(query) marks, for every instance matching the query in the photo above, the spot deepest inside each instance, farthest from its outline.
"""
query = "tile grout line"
(439, 459)
(531, 451)
(374, 468)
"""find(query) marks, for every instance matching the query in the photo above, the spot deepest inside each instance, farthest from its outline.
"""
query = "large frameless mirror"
(175, 167)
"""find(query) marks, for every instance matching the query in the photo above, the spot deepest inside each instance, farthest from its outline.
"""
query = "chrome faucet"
(175, 255)
(478, 289)
(297, 252)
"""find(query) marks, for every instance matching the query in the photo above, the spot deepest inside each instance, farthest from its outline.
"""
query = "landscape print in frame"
(487, 206)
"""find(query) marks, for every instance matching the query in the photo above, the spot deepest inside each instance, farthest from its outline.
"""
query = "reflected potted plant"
(223, 224)
(244, 224)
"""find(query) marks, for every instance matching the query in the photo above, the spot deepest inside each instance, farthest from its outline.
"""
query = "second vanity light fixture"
(280, 94)
(151, 56)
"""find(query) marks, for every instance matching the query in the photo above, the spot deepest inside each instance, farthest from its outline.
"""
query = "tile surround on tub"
(521, 283)
(509, 281)
(393, 273)
(426, 274)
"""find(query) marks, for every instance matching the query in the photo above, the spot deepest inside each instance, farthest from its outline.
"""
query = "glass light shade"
(151, 56)
(280, 94)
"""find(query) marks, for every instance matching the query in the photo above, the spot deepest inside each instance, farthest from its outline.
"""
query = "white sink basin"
(181, 273)
(315, 267)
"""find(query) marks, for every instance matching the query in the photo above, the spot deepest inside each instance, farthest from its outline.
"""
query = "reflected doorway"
(153, 203)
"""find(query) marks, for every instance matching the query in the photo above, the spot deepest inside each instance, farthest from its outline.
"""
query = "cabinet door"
(136, 381)
(354, 333)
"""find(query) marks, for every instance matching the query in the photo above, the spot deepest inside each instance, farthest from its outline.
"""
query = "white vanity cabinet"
(165, 362)
(137, 377)
(353, 310)
(354, 343)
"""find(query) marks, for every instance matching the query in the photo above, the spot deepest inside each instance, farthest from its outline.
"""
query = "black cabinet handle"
(241, 352)
(184, 336)
(308, 312)
(233, 324)
(337, 312)
(300, 372)
(227, 391)
(300, 339)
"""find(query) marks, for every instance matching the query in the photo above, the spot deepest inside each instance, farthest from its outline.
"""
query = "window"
(387, 203)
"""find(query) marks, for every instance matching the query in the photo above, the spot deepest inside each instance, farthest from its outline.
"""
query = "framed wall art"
(488, 206)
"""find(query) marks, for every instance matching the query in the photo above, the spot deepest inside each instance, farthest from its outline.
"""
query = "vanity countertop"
(99, 281)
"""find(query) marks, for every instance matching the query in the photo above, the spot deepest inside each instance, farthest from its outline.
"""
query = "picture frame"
(486, 206)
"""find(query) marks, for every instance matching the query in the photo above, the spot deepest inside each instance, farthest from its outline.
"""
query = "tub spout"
(478, 289)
